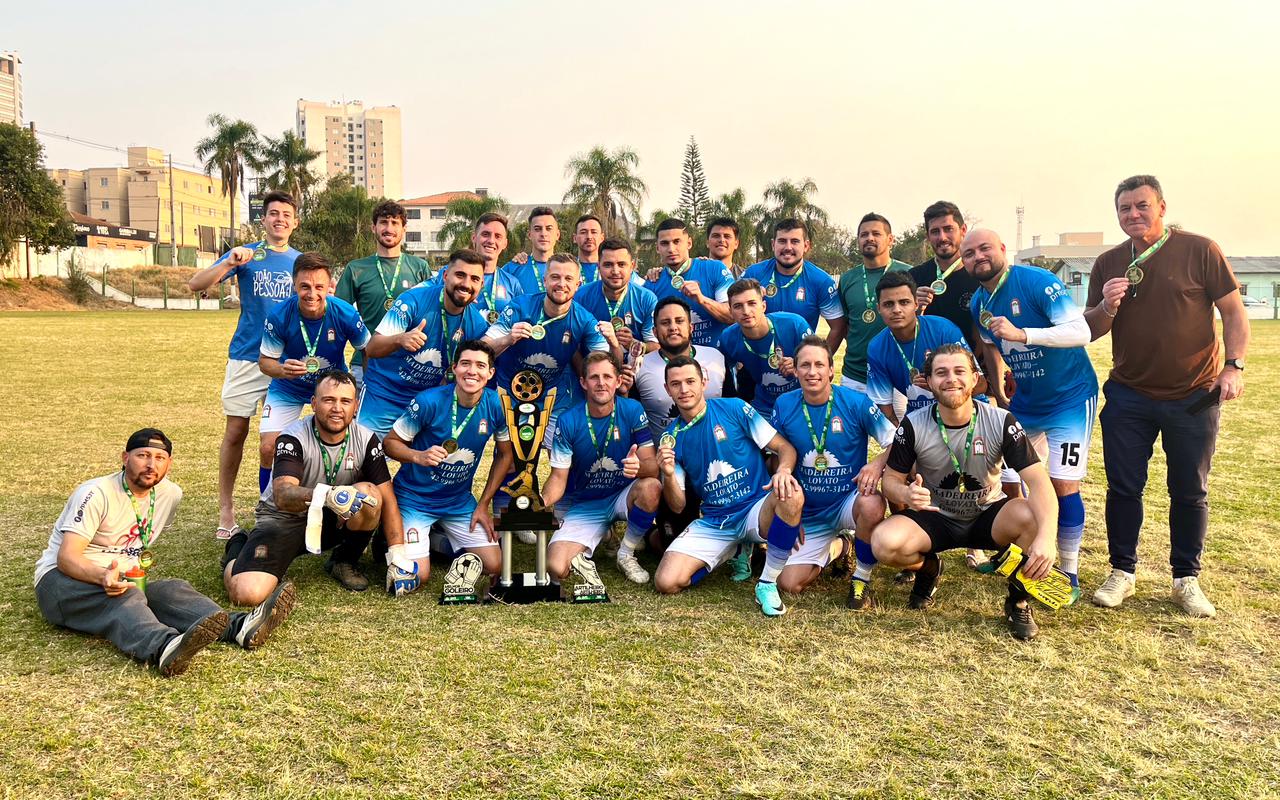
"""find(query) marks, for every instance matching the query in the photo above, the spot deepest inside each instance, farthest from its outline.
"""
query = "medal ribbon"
(537, 276)
(487, 298)
(542, 316)
(866, 289)
(683, 268)
(821, 444)
(959, 263)
(331, 468)
(968, 445)
(306, 338)
(982, 306)
(915, 348)
(679, 429)
(144, 525)
(608, 433)
(454, 337)
(1149, 252)
(615, 307)
(773, 278)
(747, 343)
(454, 428)
(377, 262)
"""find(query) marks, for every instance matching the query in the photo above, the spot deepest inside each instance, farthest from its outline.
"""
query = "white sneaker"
(630, 567)
(527, 537)
(1113, 590)
(1191, 599)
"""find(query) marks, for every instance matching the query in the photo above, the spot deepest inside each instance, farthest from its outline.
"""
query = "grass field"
(689, 696)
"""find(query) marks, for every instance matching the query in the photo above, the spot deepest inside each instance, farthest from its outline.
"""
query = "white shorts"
(588, 523)
(243, 386)
(1063, 440)
(712, 544)
(279, 412)
(456, 526)
(817, 536)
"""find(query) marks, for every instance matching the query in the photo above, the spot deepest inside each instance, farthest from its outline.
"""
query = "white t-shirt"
(100, 511)
(651, 384)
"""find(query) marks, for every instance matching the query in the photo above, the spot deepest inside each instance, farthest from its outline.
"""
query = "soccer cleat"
(178, 652)
(842, 564)
(588, 576)
(1113, 590)
(860, 597)
(527, 537)
(463, 574)
(1190, 598)
(347, 575)
(1021, 622)
(260, 622)
(769, 600)
(904, 577)
(740, 564)
(926, 585)
(629, 565)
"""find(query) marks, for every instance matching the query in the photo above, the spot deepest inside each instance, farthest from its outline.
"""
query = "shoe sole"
(206, 632)
(1103, 603)
(286, 597)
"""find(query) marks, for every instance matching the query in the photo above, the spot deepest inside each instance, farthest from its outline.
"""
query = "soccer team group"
(693, 403)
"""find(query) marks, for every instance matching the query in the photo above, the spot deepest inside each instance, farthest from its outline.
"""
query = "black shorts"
(946, 533)
(274, 543)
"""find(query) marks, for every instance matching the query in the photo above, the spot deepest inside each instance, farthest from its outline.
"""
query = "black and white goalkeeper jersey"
(998, 440)
(299, 455)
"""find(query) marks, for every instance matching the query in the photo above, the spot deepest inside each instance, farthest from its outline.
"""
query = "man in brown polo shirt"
(1156, 294)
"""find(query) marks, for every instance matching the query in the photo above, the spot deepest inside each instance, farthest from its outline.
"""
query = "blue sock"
(782, 537)
(264, 478)
(1070, 532)
(866, 560)
(639, 522)
(697, 577)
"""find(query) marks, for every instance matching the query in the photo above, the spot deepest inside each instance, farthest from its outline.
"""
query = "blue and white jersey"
(428, 421)
(500, 288)
(262, 284)
(719, 457)
(854, 419)
(886, 369)
(531, 275)
(282, 340)
(397, 377)
(595, 465)
(1049, 378)
(552, 356)
(635, 308)
(811, 294)
(714, 279)
(590, 271)
(788, 330)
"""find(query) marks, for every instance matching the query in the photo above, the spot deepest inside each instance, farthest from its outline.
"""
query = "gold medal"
(820, 463)
(939, 286)
(775, 360)
(869, 316)
(146, 558)
(313, 364)
(770, 290)
(259, 254)
(450, 446)
(915, 373)
(677, 281)
(391, 301)
(492, 316)
(667, 440)
(618, 323)
(448, 375)
(985, 318)
(1134, 274)
(538, 332)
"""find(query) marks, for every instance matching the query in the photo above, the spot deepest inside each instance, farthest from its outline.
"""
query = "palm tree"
(734, 206)
(463, 212)
(606, 184)
(232, 144)
(786, 200)
(287, 161)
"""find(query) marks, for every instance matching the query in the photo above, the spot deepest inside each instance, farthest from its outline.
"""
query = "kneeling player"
(329, 489)
(956, 447)
(602, 469)
(438, 441)
(829, 427)
(718, 443)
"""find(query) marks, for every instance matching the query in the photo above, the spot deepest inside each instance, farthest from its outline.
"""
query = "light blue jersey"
(531, 275)
(282, 339)
(429, 421)
(1049, 378)
(552, 356)
(262, 284)
(714, 279)
(719, 457)
(595, 464)
(854, 419)
(393, 380)
(811, 293)
(888, 367)
(635, 308)
(787, 331)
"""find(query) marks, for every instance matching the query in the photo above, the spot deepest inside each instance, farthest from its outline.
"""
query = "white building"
(10, 88)
(427, 215)
(365, 143)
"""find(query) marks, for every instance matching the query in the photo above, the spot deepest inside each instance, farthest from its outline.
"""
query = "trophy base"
(513, 519)
(524, 589)
(458, 599)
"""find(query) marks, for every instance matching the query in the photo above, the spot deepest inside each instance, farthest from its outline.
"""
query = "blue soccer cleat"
(768, 599)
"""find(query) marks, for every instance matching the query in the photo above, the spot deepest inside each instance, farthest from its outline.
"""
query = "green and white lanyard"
(869, 314)
(956, 464)
(677, 275)
(614, 308)
(669, 439)
(261, 248)
(388, 288)
(985, 316)
(306, 338)
(915, 348)
(819, 461)
(773, 280)
(608, 433)
(331, 467)
(533, 265)
(543, 320)
(146, 525)
(449, 337)
(770, 356)
(1134, 271)
(455, 430)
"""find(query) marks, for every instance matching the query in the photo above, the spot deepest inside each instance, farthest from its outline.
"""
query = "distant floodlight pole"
(173, 230)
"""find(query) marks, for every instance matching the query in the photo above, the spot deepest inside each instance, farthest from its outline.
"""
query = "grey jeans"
(138, 624)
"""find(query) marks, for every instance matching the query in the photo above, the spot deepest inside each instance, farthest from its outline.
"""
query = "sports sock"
(697, 577)
(1070, 532)
(866, 560)
(264, 478)
(234, 545)
(782, 537)
(639, 522)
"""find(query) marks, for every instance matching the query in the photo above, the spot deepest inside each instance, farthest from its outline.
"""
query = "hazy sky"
(887, 107)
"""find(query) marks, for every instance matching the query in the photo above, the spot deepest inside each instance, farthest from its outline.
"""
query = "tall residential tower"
(362, 142)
